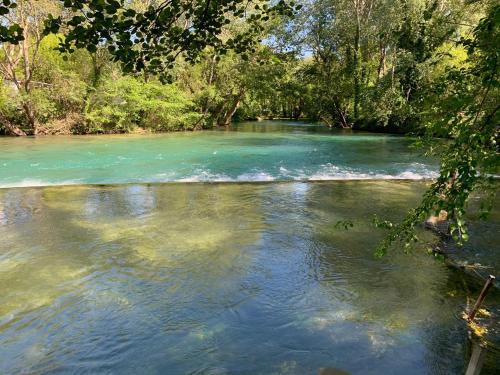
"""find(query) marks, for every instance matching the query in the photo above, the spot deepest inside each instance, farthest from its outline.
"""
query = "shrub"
(126, 103)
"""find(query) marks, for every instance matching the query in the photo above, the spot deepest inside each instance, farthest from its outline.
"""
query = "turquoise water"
(266, 151)
(226, 278)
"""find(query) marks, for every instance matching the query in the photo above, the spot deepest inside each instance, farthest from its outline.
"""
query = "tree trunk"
(297, 113)
(344, 123)
(12, 129)
(96, 70)
(30, 115)
(336, 118)
(343, 120)
(393, 69)
(20, 60)
(229, 113)
(28, 74)
(356, 63)
(381, 63)
(210, 80)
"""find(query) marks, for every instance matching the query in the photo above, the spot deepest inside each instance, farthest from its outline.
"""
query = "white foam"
(327, 172)
(365, 176)
(204, 176)
(207, 176)
(256, 176)
(332, 172)
(37, 183)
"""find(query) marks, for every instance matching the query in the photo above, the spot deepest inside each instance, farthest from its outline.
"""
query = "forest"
(381, 65)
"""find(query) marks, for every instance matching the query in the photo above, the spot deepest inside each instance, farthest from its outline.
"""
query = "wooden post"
(476, 360)
(481, 297)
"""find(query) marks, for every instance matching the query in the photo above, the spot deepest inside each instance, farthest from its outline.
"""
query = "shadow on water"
(222, 279)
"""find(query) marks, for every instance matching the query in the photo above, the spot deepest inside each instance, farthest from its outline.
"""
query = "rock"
(332, 371)
(439, 224)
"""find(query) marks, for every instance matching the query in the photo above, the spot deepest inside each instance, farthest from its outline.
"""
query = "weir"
(225, 276)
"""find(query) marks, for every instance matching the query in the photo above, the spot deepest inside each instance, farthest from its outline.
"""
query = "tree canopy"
(151, 34)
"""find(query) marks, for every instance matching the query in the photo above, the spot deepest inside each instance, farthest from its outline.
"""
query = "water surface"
(225, 278)
(258, 151)
(221, 279)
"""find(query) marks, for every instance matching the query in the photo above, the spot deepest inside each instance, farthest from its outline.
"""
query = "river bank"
(74, 126)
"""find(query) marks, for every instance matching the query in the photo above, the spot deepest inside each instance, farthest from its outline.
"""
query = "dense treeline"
(372, 64)
(47, 89)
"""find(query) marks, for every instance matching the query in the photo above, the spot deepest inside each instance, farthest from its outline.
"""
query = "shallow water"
(221, 279)
(225, 278)
(264, 151)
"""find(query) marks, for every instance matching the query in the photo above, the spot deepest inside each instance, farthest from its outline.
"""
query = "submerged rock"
(439, 224)
(332, 371)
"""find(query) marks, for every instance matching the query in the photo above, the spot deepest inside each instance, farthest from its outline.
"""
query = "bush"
(126, 103)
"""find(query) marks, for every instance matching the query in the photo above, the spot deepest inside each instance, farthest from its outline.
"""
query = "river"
(218, 253)
(266, 151)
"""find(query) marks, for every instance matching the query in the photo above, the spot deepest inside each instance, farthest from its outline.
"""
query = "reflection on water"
(220, 279)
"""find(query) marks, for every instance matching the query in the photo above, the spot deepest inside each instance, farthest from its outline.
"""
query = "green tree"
(151, 37)
(469, 113)
(20, 58)
(126, 103)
